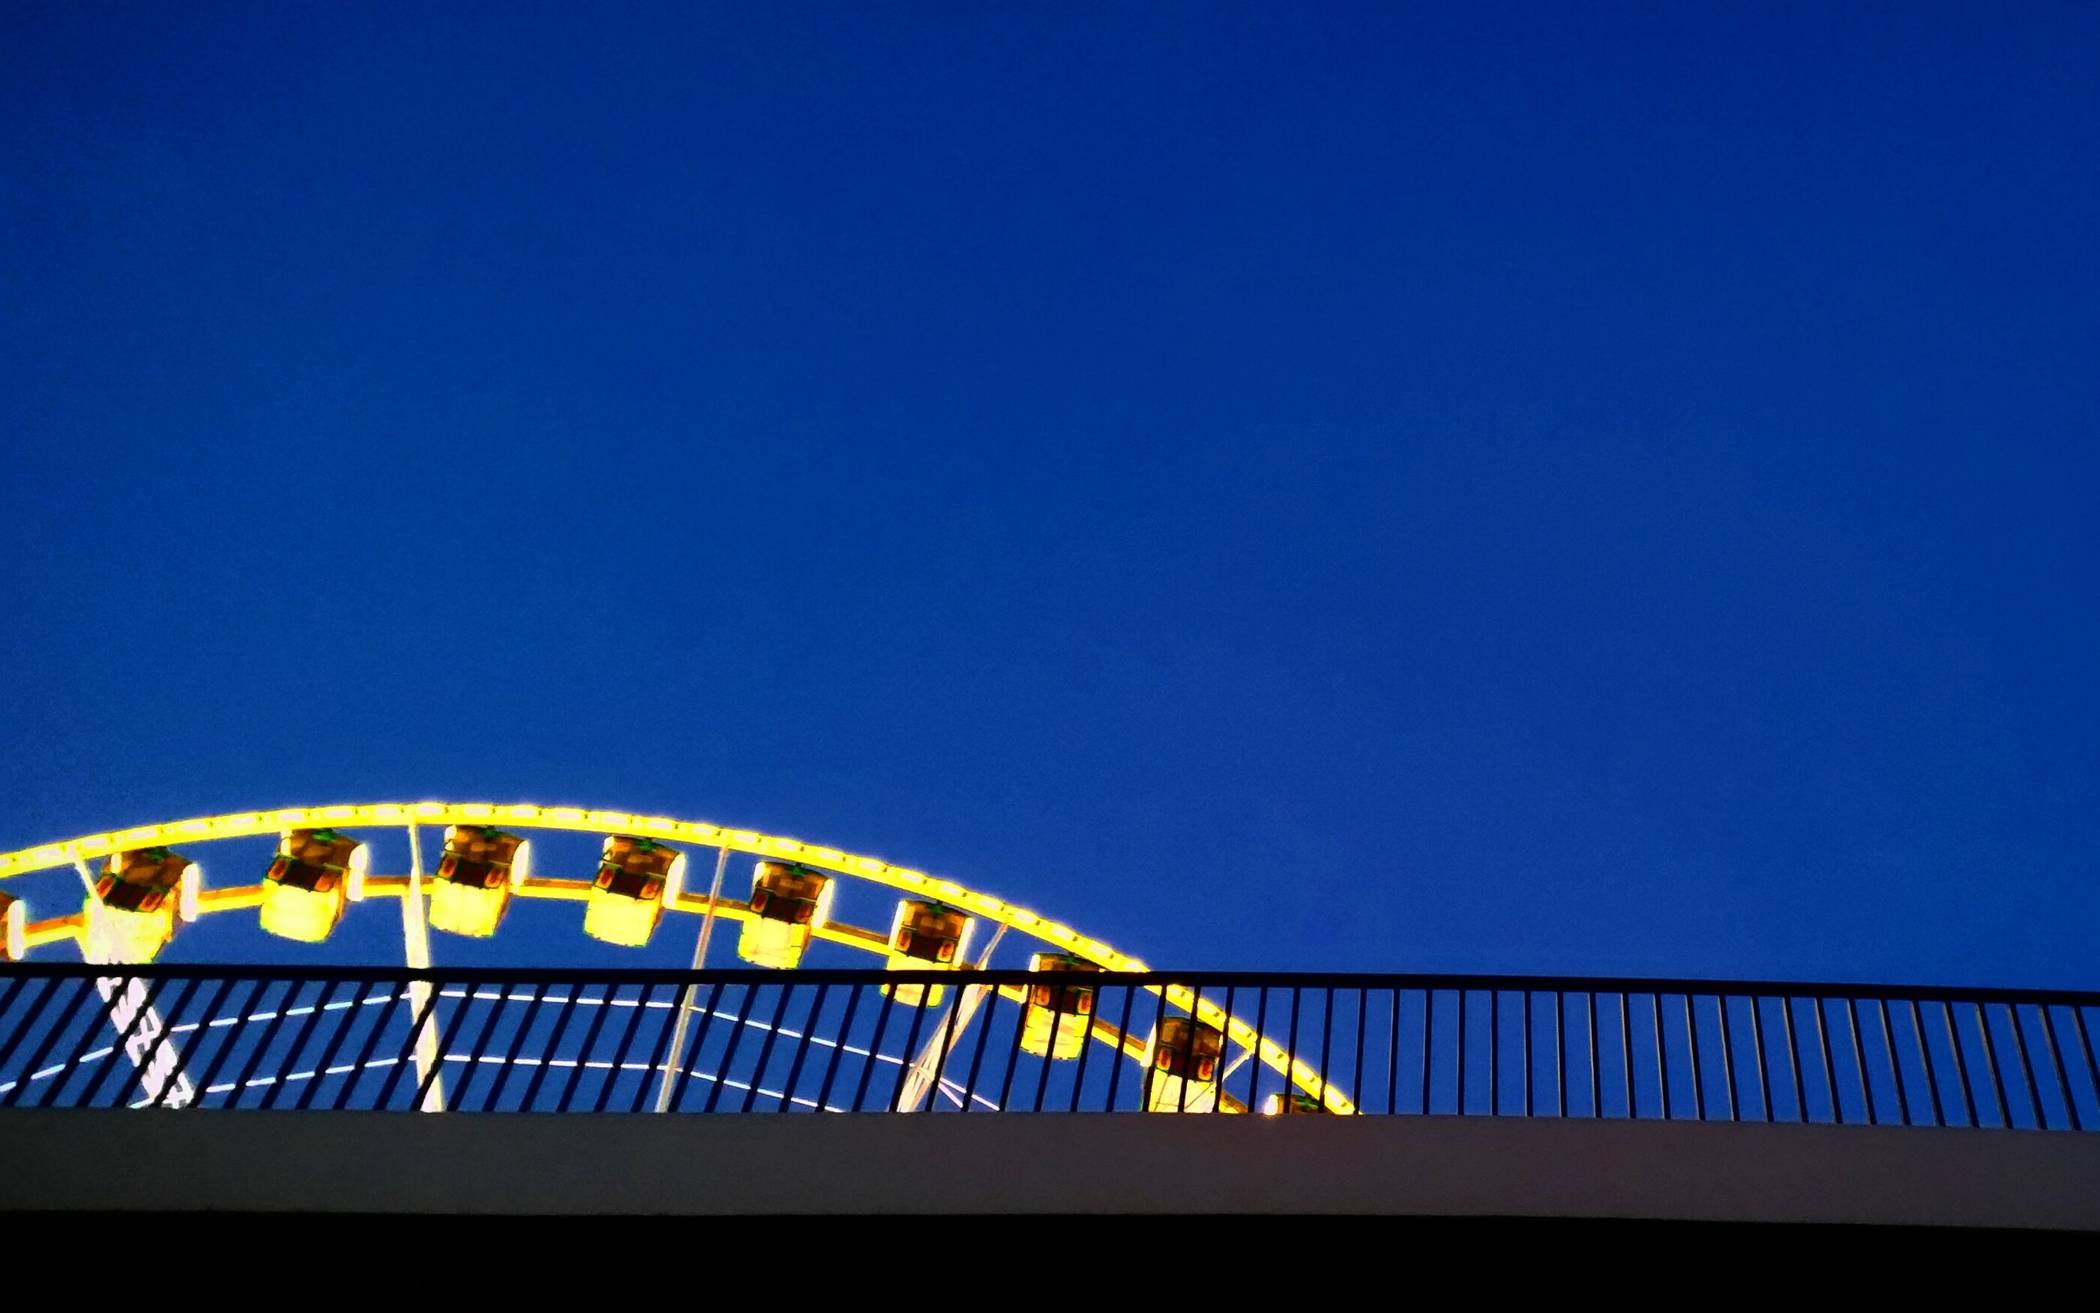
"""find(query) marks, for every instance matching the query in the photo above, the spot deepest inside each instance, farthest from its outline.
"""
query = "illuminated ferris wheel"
(144, 886)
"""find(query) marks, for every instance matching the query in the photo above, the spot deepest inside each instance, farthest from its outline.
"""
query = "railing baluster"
(911, 1048)
(14, 987)
(117, 1055)
(493, 1100)
(1188, 1071)
(233, 1035)
(2085, 1045)
(1626, 1050)
(1086, 1050)
(1392, 1060)
(838, 1049)
(736, 1041)
(809, 1028)
(765, 1047)
(1356, 1066)
(1888, 1040)
(1326, 1034)
(691, 1063)
(1859, 1057)
(1013, 1054)
(1961, 1063)
(1290, 1061)
(2034, 1094)
(1560, 1054)
(334, 1047)
(1116, 1070)
(1494, 1051)
(1459, 1106)
(1662, 1060)
(1589, 1006)
(196, 1038)
(1932, 1081)
(291, 1057)
(444, 1048)
(1793, 1058)
(947, 1044)
(626, 1046)
(87, 1036)
(164, 1040)
(1837, 1103)
(479, 1048)
(1728, 1057)
(1048, 1059)
(1428, 1044)
(1757, 1055)
(1529, 1045)
(2056, 1057)
(867, 1071)
(1526, 1037)
(601, 1009)
(1990, 1061)
(364, 1057)
(262, 1046)
(547, 1059)
(1691, 1040)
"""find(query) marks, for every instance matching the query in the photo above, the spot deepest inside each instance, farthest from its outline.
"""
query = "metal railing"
(743, 1041)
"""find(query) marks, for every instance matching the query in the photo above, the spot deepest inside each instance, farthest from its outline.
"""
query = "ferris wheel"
(143, 887)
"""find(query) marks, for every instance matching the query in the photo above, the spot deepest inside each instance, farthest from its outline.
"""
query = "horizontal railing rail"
(1012, 975)
(500, 1040)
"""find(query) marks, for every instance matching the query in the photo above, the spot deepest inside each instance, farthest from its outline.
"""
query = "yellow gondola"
(790, 902)
(1181, 1066)
(1068, 1007)
(14, 928)
(138, 899)
(481, 865)
(636, 877)
(925, 936)
(316, 874)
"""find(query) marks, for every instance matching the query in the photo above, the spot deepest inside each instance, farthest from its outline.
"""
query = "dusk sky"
(1558, 488)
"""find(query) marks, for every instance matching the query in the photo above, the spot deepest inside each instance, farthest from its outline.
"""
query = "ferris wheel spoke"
(664, 1092)
(415, 946)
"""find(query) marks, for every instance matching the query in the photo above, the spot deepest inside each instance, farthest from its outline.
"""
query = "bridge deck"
(878, 1164)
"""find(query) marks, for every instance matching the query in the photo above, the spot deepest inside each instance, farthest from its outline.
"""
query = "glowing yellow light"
(1065, 1001)
(121, 936)
(524, 815)
(635, 877)
(926, 936)
(131, 912)
(1181, 1066)
(14, 928)
(772, 944)
(458, 910)
(625, 921)
(294, 913)
(541, 889)
(790, 903)
(317, 873)
(57, 930)
(233, 898)
(471, 891)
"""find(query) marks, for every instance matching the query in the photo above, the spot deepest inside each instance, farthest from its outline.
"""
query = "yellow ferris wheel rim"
(582, 820)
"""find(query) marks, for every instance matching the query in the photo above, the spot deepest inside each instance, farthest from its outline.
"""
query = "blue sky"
(1557, 488)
